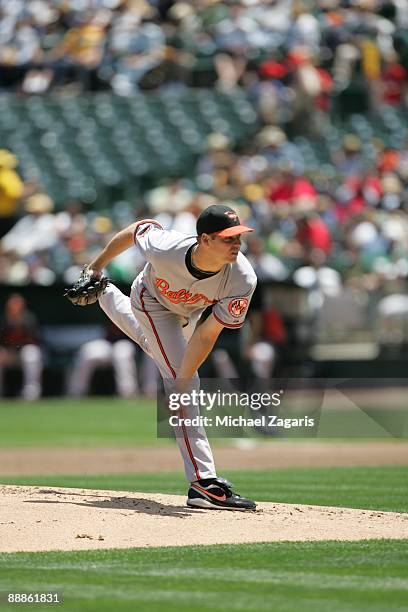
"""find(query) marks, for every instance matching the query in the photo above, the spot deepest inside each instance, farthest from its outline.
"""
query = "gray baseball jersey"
(164, 297)
(168, 280)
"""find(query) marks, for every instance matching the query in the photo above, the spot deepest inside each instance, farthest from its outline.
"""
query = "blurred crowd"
(296, 51)
(353, 220)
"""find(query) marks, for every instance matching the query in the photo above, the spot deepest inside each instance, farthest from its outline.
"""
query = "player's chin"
(233, 256)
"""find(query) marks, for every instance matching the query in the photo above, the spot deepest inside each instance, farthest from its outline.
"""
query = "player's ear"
(205, 239)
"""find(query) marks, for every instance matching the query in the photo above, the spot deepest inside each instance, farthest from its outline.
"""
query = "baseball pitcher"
(183, 275)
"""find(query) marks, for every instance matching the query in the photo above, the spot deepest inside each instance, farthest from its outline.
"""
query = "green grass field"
(321, 576)
(284, 577)
(93, 422)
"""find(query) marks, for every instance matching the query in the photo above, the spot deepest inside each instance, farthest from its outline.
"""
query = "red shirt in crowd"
(291, 190)
(315, 234)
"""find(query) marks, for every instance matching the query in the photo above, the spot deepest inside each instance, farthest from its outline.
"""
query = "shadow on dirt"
(140, 505)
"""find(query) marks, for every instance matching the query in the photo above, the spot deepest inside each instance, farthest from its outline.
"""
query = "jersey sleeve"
(148, 234)
(231, 311)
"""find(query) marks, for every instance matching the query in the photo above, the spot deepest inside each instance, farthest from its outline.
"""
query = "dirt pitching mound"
(36, 518)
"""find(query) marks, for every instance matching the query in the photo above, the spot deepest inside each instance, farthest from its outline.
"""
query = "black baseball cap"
(221, 220)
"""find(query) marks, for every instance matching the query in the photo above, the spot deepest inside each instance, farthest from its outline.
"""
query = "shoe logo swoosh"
(221, 498)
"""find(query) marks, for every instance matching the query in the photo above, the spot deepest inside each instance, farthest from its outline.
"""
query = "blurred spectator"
(11, 190)
(266, 266)
(19, 345)
(230, 70)
(289, 188)
(349, 160)
(313, 233)
(170, 200)
(274, 147)
(266, 334)
(213, 166)
(29, 242)
(392, 320)
(35, 231)
(393, 86)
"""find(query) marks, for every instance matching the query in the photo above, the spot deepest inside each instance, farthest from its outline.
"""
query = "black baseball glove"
(88, 288)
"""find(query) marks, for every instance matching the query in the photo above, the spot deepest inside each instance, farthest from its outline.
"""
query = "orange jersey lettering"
(182, 295)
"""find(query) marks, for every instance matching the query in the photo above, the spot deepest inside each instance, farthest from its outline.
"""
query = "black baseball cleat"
(216, 493)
